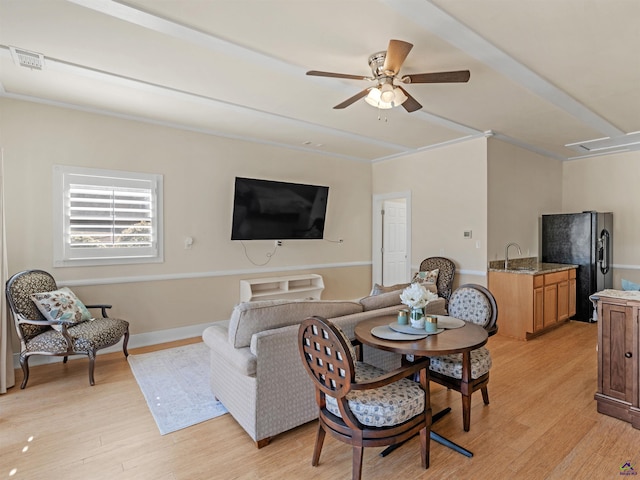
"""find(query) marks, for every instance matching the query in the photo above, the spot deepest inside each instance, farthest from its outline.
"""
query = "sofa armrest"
(216, 337)
(285, 394)
(436, 307)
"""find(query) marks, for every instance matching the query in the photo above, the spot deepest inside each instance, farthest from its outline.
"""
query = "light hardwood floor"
(541, 423)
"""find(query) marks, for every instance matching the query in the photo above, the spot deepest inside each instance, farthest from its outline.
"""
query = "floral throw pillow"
(61, 304)
(430, 277)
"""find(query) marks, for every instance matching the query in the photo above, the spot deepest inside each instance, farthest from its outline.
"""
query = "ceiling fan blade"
(353, 99)
(410, 104)
(337, 75)
(397, 52)
(438, 77)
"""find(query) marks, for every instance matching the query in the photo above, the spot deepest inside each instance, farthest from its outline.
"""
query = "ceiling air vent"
(28, 59)
(601, 146)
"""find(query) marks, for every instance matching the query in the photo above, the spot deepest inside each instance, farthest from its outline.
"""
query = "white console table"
(308, 285)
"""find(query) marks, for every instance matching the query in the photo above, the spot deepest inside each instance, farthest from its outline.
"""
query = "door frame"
(376, 233)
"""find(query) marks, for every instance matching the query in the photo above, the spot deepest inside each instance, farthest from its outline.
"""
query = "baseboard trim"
(135, 341)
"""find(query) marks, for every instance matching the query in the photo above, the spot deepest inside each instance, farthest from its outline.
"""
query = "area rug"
(175, 383)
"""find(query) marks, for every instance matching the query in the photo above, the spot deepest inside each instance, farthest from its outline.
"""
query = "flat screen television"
(270, 210)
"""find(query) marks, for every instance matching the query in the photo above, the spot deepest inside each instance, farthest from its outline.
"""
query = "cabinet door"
(617, 351)
(538, 309)
(550, 304)
(563, 301)
(572, 296)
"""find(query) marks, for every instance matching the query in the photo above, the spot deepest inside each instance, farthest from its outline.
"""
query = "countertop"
(528, 266)
(625, 294)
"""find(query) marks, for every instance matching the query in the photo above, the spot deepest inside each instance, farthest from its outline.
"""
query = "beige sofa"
(256, 369)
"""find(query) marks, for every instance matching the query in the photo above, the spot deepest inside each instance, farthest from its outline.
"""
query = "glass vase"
(417, 318)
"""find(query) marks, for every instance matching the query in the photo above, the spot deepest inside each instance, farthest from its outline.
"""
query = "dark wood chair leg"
(24, 363)
(64, 360)
(485, 395)
(466, 412)
(425, 446)
(358, 450)
(92, 363)
(318, 447)
(125, 343)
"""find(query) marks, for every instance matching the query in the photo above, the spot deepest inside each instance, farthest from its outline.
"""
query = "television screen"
(269, 210)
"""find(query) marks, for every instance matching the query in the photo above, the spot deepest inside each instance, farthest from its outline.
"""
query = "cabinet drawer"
(538, 281)
(556, 277)
(572, 273)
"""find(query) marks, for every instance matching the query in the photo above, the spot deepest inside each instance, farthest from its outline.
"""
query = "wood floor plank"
(541, 423)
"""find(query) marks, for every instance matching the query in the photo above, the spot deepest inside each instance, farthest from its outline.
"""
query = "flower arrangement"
(416, 296)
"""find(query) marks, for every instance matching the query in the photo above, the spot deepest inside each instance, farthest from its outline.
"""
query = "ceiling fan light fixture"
(386, 93)
(398, 96)
(374, 99)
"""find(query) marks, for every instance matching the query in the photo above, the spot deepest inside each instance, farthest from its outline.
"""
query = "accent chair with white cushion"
(475, 304)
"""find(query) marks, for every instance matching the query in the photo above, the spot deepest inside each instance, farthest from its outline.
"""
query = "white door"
(391, 238)
(394, 242)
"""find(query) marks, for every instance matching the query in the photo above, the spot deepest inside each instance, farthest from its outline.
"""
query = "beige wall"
(448, 189)
(522, 186)
(609, 184)
(199, 171)
(496, 190)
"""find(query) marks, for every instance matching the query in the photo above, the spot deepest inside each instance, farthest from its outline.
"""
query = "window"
(104, 217)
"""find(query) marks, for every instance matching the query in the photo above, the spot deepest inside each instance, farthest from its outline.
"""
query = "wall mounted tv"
(270, 210)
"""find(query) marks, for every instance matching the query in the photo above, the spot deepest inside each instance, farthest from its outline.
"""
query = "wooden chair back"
(329, 358)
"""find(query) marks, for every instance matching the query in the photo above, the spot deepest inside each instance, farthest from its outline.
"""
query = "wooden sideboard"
(618, 392)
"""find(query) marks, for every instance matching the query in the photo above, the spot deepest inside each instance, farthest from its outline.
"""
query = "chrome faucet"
(506, 253)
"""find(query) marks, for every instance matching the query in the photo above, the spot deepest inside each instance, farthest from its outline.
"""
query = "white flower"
(416, 296)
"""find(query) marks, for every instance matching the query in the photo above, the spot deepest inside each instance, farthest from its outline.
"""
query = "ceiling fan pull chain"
(379, 117)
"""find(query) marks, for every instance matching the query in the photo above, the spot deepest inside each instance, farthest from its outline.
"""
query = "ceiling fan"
(385, 67)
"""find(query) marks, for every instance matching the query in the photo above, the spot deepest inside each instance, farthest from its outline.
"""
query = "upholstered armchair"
(360, 404)
(447, 270)
(52, 321)
(475, 304)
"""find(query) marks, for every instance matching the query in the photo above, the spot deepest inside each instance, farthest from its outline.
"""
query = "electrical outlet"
(278, 243)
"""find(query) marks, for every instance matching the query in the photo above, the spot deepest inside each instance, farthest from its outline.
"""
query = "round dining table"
(450, 340)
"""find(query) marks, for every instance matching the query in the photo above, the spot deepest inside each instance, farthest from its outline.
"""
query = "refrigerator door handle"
(603, 251)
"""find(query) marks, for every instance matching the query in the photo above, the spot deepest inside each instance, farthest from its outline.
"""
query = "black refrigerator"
(584, 239)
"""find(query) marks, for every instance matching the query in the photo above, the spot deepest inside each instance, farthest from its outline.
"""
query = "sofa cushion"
(253, 317)
(378, 289)
(387, 299)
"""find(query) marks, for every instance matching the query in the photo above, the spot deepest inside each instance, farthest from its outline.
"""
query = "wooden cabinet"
(531, 304)
(572, 292)
(619, 356)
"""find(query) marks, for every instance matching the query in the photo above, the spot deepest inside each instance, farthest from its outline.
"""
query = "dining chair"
(447, 270)
(53, 321)
(471, 303)
(359, 404)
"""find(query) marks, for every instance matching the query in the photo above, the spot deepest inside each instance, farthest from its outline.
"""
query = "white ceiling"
(544, 73)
